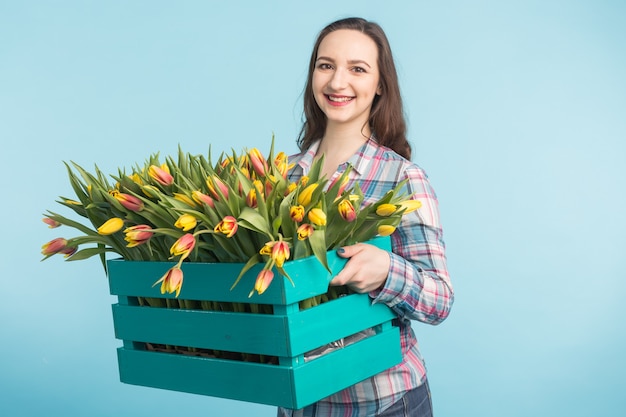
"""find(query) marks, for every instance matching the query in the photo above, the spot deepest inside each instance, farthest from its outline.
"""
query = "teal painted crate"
(286, 334)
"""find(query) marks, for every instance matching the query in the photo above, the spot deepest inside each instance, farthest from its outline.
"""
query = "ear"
(379, 90)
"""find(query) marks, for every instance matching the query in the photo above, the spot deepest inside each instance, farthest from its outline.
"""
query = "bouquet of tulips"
(240, 208)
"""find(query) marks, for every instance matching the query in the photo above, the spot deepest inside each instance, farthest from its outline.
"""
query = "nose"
(338, 80)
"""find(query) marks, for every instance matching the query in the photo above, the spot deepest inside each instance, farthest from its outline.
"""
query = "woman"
(353, 117)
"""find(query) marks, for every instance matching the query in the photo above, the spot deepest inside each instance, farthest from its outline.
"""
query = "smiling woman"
(355, 125)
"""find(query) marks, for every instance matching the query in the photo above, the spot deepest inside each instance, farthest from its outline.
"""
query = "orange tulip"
(202, 198)
(161, 174)
(130, 202)
(259, 164)
(183, 246)
(304, 231)
(263, 280)
(280, 252)
(228, 226)
(137, 235)
(52, 224)
(172, 281)
(215, 183)
(54, 246)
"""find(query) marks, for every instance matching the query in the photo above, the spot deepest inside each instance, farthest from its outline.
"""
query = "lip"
(343, 100)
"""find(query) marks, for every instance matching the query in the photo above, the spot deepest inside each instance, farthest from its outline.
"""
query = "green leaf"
(318, 246)
(253, 220)
(251, 262)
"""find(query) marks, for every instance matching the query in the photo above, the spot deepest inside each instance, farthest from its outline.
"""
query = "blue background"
(516, 110)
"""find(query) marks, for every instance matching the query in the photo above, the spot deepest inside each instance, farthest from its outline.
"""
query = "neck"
(338, 145)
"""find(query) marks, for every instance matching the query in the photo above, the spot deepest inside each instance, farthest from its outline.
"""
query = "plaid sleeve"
(418, 286)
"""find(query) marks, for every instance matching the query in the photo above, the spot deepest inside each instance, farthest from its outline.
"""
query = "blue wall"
(516, 110)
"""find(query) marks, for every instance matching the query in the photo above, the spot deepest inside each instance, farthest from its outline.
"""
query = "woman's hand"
(366, 270)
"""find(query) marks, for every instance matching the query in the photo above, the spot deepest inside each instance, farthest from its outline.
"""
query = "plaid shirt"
(418, 285)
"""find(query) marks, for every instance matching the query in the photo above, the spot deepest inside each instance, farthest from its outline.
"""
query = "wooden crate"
(286, 334)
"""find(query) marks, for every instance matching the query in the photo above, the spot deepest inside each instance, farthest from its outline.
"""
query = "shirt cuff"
(390, 293)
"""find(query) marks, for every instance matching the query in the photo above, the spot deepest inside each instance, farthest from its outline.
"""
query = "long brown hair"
(386, 117)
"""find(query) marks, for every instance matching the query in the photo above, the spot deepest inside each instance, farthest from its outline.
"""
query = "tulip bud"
(410, 205)
(280, 252)
(259, 164)
(304, 231)
(214, 183)
(202, 198)
(251, 200)
(228, 226)
(137, 235)
(263, 280)
(161, 174)
(304, 197)
(386, 210)
(52, 224)
(186, 222)
(183, 198)
(54, 246)
(296, 213)
(386, 230)
(172, 281)
(346, 210)
(130, 202)
(111, 226)
(317, 217)
(183, 246)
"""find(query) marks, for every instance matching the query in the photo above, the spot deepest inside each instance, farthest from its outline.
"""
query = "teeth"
(339, 99)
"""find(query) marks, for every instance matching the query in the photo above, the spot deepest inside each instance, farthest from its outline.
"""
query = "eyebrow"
(351, 62)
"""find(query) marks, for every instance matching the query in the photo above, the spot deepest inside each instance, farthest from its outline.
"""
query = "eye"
(324, 66)
(358, 69)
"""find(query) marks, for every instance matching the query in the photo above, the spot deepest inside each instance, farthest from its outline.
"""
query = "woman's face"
(346, 78)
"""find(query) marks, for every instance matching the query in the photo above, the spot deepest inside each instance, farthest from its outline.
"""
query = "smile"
(339, 99)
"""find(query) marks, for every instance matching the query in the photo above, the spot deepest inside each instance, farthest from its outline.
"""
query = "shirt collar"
(359, 161)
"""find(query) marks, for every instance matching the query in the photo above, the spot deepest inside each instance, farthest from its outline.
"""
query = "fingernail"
(341, 250)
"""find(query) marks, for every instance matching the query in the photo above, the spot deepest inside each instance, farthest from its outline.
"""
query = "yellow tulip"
(386, 210)
(386, 230)
(111, 226)
(186, 222)
(304, 198)
(184, 199)
(410, 205)
(296, 213)
(317, 217)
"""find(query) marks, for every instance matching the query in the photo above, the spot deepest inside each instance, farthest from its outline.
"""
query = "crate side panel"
(262, 334)
(262, 384)
(333, 320)
(345, 367)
